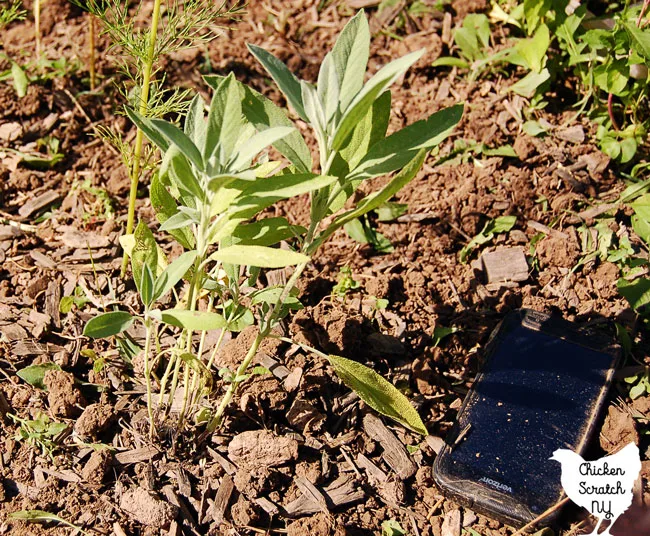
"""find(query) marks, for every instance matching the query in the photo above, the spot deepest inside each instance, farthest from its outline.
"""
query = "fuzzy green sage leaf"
(34, 374)
(378, 393)
(40, 516)
(173, 274)
(261, 256)
(108, 324)
(194, 320)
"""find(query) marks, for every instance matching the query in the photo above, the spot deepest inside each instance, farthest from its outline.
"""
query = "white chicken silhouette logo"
(604, 487)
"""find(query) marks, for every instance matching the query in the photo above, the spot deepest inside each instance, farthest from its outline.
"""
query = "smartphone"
(542, 387)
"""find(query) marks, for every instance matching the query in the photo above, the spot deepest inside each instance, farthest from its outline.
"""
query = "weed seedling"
(362, 231)
(640, 384)
(610, 56)
(77, 300)
(98, 6)
(40, 432)
(472, 40)
(345, 284)
(40, 516)
(499, 225)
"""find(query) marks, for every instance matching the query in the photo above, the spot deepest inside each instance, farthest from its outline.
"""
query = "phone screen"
(537, 393)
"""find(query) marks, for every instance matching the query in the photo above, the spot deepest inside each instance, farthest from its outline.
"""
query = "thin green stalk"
(283, 297)
(147, 373)
(37, 28)
(192, 297)
(174, 386)
(174, 362)
(186, 392)
(91, 50)
(216, 349)
(263, 333)
(139, 138)
(199, 354)
(225, 401)
(166, 374)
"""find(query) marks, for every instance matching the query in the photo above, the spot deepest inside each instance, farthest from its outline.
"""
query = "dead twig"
(552, 509)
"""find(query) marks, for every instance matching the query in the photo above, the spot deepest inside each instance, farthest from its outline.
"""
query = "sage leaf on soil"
(20, 80)
(34, 374)
(378, 393)
(108, 324)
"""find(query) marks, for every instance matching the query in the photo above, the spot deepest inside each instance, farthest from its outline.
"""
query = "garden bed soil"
(298, 454)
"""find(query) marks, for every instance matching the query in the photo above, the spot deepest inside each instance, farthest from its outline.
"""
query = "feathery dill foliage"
(10, 11)
(142, 39)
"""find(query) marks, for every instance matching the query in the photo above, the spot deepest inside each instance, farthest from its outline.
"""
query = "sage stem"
(147, 373)
(232, 388)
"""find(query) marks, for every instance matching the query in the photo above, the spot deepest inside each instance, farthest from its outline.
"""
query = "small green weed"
(499, 225)
(392, 528)
(40, 432)
(640, 384)
(345, 284)
(10, 12)
(610, 56)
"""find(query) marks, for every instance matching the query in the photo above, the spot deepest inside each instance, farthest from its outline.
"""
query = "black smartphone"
(541, 388)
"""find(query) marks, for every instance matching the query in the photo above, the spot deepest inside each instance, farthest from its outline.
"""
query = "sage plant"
(211, 189)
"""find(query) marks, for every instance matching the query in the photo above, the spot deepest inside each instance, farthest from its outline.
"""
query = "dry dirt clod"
(618, 430)
(94, 420)
(555, 251)
(451, 525)
(318, 525)
(63, 396)
(97, 466)
(146, 509)
(244, 513)
(302, 413)
(260, 448)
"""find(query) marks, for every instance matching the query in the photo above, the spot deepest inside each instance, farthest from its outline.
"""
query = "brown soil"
(296, 435)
